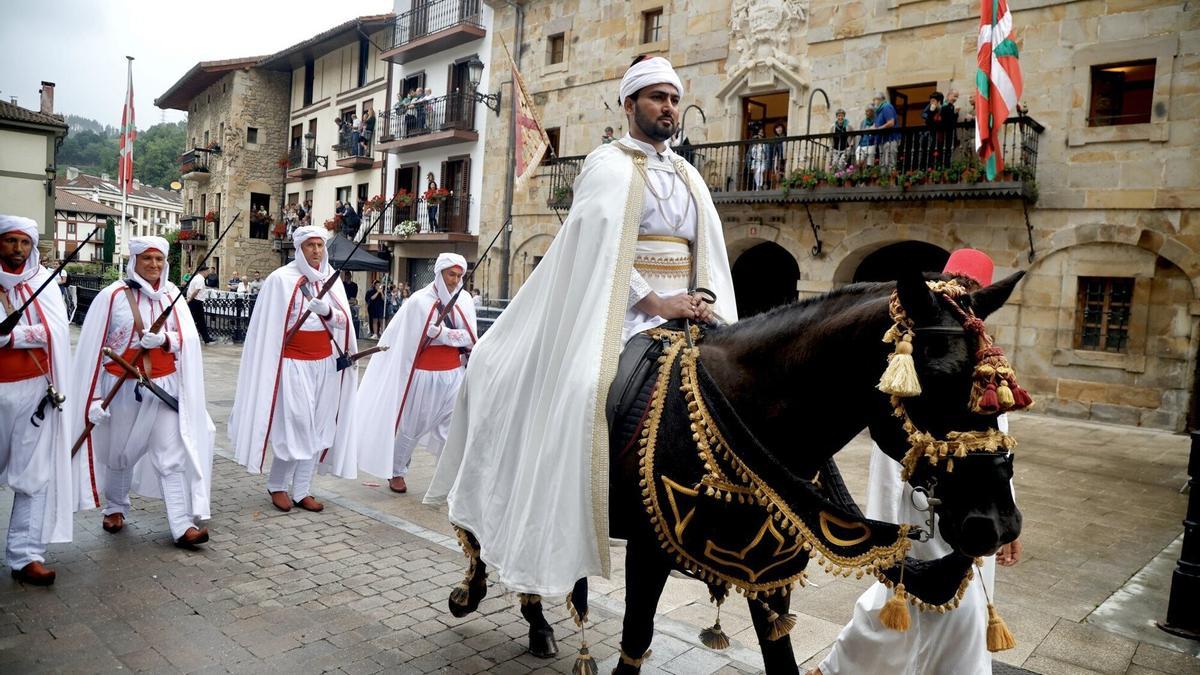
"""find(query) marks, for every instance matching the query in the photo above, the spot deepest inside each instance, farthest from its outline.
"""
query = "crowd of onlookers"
(416, 110)
(355, 133)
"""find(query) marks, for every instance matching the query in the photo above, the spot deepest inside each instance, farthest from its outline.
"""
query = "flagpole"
(126, 181)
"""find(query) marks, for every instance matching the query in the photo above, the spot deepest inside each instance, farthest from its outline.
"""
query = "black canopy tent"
(361, 261)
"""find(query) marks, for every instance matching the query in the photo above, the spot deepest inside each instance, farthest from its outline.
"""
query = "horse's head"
(974, 500)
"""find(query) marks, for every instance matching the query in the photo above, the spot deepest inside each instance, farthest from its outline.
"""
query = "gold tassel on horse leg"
(714, 637)
(781, 624)
(999, 637)
(585, 663)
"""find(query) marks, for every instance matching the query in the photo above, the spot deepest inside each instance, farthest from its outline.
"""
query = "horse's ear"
(987, 300)
(916, 298)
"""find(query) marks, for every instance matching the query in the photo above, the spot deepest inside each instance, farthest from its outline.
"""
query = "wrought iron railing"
(347, 147)
(302, 158)
(444, 113)
(228, 315)
(452, 215)
(194, 160)
(427, 18)
(563, 172)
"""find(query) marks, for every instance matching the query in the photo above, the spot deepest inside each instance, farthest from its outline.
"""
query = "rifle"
(344, 361)
(154, 328)
(10, 322)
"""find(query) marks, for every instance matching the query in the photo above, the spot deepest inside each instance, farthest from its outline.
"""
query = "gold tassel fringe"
(781, 625)
(894, 614)
(999, 637)
(585, 663)
(714, 637)
(900, 378)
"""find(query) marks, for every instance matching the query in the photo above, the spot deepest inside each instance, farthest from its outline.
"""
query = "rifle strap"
(138, 327)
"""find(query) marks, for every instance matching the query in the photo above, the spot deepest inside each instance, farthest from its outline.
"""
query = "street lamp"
(51, 174)
(475, 73)
(311, 143)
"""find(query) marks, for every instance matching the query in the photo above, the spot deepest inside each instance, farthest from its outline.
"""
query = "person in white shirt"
(197, 293)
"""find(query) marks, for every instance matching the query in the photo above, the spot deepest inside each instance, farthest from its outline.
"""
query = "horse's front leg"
(466, 596)
(646, 573)
(777, 653)
(541, 633)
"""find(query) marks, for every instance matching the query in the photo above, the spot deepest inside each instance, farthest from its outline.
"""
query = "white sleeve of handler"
(28, 337)
(451, 337)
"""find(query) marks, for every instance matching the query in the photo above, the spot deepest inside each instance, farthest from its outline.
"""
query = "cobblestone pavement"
(362, 586)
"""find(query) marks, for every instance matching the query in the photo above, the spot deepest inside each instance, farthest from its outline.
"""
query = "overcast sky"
(81, 45)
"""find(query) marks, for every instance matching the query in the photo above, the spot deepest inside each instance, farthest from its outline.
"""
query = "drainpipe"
(505, 260)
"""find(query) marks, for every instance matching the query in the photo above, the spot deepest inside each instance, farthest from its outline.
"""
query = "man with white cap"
(952, 643)
(525, 466)
(408, 392)
(292, 402)
(155, 440)
(35, 448)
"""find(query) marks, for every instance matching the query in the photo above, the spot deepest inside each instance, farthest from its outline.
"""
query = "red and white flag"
(532, 141)
(997, 81)
(128, 136)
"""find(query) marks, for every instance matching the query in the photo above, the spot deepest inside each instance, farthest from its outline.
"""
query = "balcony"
(193, 165)
(193, 231)
(353, 157)
(448, 222)
(432, 27)
(563, 172)
(302, 163)
(445, 120)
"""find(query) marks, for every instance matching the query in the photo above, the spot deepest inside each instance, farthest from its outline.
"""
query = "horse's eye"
(936, 348)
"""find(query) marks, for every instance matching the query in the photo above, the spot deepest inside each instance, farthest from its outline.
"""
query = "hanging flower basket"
(406, 228)
(375, 203)
(436, 196)
(403, 198)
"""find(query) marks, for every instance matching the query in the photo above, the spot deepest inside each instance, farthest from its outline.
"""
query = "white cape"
(258, 377)
(49, 310)
(195, 426)
(525, 467)
(386, 383)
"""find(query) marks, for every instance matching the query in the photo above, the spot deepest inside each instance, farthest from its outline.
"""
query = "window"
(553, 133)
(1102, 313)
(251, 134)
(362, 192)
(70, 227)
(557, 47)
(309, 72)
(206, 138)
(652, 26)
(1121, 93)
(343, 194)
(364, 54)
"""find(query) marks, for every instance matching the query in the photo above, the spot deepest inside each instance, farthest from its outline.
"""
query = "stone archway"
(764, 276)
(885, 264)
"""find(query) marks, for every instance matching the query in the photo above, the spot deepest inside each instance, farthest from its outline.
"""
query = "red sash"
(438, 357)
(22, 364)
(162, 363)
(308, 345)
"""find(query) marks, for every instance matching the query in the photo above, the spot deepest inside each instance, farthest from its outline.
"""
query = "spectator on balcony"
(376, 306)
(607, 137)
(354, 133)
(197, 293)
(866, 142)
(757, 159)
(940, 120)
(424, 107)
(841, 141)
(777, 157)
(368, 132)
(886, 117)
(342, 133)
(233, 282)
(351, 219)
(432, 208)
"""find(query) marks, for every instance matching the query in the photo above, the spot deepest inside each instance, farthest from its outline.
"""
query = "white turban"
(138, 246)
(27, 227)
(303, 234)
(648, 72)
(446, 261)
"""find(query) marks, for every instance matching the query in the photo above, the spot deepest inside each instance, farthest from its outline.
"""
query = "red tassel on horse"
(988, 403)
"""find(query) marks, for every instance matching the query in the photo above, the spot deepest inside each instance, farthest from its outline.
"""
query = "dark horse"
(802, 379)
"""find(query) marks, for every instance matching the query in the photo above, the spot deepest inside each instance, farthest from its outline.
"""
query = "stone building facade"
(1101, 212)
(237, 136)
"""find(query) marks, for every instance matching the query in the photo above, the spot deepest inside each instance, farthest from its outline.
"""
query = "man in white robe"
(35, 449)
(139, 443)
(408, 392)
(292, 403)
(953, 643)
(525, 467)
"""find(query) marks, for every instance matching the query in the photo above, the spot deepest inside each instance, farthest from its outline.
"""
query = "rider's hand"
(152, 340)
(319, 306)
(703, 309)
(680, 306)
(1009, 554)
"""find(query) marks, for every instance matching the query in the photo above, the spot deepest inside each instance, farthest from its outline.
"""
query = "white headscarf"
(299, 236)
(648, 72)
(27, 227)
(446, 261)
(138, 246)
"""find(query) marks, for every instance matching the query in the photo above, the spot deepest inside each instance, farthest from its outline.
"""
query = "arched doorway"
(886, 263)
(764, 277)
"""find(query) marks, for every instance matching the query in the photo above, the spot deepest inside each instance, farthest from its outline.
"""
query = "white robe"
(953, 643)
(257, 405)
(109, 323)
(47, 463)
(393, 393)
(525, 467)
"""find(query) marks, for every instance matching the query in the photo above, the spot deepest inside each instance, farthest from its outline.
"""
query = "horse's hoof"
(465, 599)
(541, 642)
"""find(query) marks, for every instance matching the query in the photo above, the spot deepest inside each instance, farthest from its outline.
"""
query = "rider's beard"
(652, 128)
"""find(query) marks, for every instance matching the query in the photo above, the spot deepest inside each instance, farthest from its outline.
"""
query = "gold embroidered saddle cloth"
(664, 262)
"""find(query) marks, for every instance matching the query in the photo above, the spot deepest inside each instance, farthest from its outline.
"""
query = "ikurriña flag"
(997, 81)
(128, 136)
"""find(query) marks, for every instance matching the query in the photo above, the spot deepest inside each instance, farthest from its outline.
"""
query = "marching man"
(155, 438)
(35, 448)
(409, 390)
(293, 405)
